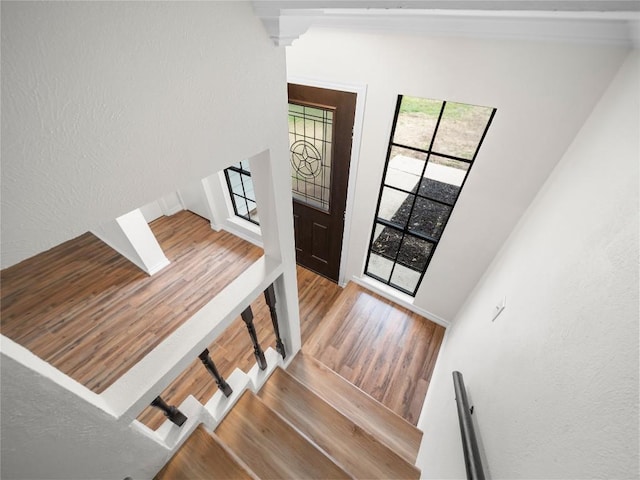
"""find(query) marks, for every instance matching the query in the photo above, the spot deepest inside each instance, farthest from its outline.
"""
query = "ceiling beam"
(595, 21)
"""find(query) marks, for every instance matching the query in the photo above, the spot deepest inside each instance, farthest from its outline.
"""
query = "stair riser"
(357, 451)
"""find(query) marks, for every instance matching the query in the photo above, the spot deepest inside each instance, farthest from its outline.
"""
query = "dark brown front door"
(320, 133)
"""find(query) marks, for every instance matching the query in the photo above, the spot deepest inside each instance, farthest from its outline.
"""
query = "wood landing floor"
(92, 314)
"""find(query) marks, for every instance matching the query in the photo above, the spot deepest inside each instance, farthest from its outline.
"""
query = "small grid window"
(241, 191)
(432, 148)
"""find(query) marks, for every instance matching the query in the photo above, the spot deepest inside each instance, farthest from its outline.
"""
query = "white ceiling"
(606, 22)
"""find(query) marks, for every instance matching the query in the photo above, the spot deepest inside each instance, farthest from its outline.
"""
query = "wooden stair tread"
(353, 448)
(270, 446)
(202, 456)
(388, 427)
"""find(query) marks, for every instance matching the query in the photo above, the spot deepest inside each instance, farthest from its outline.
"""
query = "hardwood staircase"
(306, 422)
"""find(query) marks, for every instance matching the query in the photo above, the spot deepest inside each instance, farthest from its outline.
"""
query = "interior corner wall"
(543, 91)
(69, 439)
(554, 379)
(109, 106)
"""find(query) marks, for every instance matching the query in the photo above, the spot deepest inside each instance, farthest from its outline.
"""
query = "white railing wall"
(113, 412)
(72, 432)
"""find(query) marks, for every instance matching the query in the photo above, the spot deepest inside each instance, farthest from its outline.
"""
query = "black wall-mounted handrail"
(472, 460)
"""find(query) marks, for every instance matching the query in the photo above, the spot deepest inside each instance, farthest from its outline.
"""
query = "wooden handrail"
(472, 460)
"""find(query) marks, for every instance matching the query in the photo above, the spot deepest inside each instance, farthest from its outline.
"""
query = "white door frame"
(361, 92)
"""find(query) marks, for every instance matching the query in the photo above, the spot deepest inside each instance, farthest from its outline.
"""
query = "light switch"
(499, 308)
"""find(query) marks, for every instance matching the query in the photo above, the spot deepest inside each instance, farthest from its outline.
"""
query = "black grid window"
(241, 191)
(432, 147)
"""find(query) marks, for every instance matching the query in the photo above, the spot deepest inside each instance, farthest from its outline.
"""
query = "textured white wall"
(543, 92)
(195, 199)
(50, 433)
(109, 106)
(554, 379)
(151, 211)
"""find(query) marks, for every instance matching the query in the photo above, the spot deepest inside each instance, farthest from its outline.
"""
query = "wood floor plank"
(352, 447)
(204, 457)
(271, 447)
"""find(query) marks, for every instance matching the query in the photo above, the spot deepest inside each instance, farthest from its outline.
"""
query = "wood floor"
(92, 314)
(387, 351)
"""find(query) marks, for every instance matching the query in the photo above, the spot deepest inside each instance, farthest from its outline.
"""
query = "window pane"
(417, 120)
(380, 267)
(235, 182)
(309, 193)
(443, 179)
(395, 206)
(415, 253)
(248, 187)
(386, 241)
(328, 126)
(405, 278)
(404, 168)
(253, 210)
(429, 218)
(241, 205)
(310, 133)
(295, 108)
(461, 129)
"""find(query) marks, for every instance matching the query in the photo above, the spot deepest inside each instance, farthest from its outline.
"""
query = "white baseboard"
(399, 298)
(244, 233)
(158, 266)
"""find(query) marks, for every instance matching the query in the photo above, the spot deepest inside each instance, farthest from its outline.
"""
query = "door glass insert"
(310, 145)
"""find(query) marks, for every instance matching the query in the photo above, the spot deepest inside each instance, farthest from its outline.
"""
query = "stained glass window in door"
(310, 144)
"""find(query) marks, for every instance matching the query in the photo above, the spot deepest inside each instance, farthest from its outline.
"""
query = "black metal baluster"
(223, 386)
(247, 317)
(270, 298)
(170, 411)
